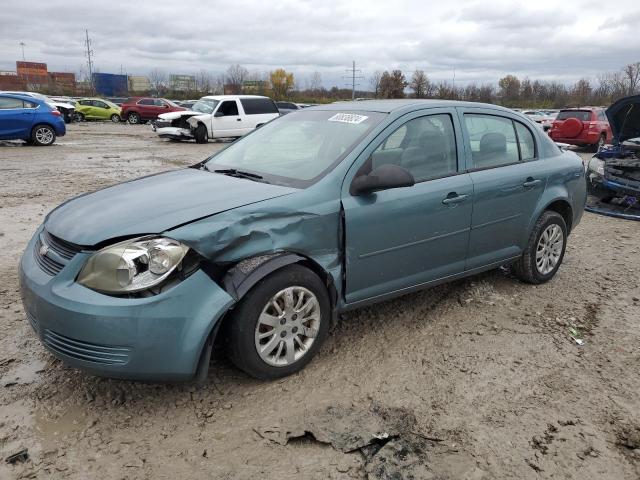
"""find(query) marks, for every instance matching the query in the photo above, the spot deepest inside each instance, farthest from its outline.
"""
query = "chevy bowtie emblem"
(44, 249)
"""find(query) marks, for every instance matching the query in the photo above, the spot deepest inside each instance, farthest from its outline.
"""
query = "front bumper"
(602, 187)
(173, 132)
(154, 338)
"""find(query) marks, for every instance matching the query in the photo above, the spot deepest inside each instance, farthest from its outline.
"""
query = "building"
(62, 83)
(182, 83)
(139, 84)
(110, 84)
(11, 81)
(33, 73)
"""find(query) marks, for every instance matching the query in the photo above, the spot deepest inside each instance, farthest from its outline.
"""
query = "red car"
(142, 109)
(581, 126)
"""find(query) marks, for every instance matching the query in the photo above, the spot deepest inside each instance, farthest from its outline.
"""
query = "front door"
(404, 237)
(229, 124)
(16, 117)
(508, 180)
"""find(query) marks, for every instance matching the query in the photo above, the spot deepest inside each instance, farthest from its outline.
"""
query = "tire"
(115, 118)
(133, 118)
(245, 324)
(526, 268)
(79, 117)
(200, 134)
(43, 135)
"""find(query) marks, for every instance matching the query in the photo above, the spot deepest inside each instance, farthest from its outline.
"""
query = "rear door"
(508, 180)
(229, 124)
(16, 118)
(399, 238)
(147, 108)
(257, 111)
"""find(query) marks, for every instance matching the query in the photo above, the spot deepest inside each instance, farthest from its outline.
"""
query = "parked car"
(142, 109)
(614, 172)
(220, 116)
(30, 119)
(581, 126)
(267, 241)
(67, 109)
(287, 107)
(97, 109)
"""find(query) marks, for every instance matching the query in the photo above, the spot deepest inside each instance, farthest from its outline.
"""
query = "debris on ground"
(18, 457)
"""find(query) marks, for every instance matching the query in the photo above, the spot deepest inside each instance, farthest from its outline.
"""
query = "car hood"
(624, 118)
(178, 114)
(154, 204)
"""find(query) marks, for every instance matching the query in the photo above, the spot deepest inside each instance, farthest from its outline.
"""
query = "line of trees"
(512, 91)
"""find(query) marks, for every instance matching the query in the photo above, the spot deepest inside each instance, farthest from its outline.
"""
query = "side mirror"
(383, 177)
(218, 114)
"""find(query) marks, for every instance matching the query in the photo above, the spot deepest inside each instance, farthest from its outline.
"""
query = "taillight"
(55, 113)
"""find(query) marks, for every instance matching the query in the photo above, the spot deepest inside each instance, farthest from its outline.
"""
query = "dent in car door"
(508, 180)
(403, 237)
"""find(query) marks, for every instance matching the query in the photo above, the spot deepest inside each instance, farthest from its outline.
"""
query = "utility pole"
(355, 75)
(89, 52)
(22, 44)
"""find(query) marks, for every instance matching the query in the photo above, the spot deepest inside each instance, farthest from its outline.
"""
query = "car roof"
(389, 106)
(232, 97)
(20, 96)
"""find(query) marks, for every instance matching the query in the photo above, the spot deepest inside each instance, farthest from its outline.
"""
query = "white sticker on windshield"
(348, 118)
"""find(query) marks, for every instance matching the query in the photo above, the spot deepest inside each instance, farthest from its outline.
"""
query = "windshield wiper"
(232, 172)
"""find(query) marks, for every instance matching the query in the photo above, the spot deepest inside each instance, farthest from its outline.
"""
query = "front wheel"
(115, 118)
(545, 250)
(43, 135)
(280, 324)
(200, 134)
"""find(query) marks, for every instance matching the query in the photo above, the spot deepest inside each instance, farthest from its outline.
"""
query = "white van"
(217, 116)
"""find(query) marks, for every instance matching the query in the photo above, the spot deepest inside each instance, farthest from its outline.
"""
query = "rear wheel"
(200, 134)
(43, 135)
(280, 324)
(79, 117)
(133, 118)
(545, 250)
(115, 118)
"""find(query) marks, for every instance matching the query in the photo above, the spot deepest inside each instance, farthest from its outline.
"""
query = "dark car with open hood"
(613, 174)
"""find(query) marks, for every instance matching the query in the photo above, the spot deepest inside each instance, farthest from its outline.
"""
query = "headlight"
(133, 265)
(597, 166)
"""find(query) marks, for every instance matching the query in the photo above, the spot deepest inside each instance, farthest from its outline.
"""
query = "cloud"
(481, 40)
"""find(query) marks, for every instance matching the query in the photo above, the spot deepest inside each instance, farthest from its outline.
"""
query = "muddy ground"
(480, 379)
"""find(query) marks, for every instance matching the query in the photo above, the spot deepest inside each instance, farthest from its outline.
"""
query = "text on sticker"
(348, 118)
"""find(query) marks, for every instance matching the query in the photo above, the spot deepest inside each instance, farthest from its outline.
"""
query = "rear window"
(582, 115)
(257, 106)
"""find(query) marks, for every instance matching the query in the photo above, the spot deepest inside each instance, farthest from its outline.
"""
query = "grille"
(32, 320)
(163, 123)
(47, 264)
(88, 352)
(65, 250)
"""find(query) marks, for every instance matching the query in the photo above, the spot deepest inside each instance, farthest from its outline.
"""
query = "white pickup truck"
(217, 116)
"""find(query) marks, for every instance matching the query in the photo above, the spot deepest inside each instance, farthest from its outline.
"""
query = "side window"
(258, 106)
(146, 101)
(526, 142)
(87, 103)
(425, 146)
(7, 103)
(229, 108)
(492, 140)
(159, 103)
(100, 104)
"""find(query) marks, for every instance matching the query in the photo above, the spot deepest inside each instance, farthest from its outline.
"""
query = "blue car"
(30, 119)
(264, 244)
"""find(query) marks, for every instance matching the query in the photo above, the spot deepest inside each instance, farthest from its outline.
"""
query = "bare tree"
(203, 81)
(158, 79)
(375, 82)
(631, 78)
(315, 83)
(419, 84)
(236, 75)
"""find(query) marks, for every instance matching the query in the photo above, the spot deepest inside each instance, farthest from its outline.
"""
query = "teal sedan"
(268, 241)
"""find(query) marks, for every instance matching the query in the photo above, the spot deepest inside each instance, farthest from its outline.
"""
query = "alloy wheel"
(287, 326)
(44, 135)
(549, 249)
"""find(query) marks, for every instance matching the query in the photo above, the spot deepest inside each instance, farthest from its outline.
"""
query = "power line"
(353, 77)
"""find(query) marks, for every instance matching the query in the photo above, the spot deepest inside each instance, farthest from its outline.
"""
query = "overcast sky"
(483, 40)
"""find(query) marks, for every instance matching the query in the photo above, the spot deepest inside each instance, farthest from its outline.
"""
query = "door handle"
(238, 119)
(530, 182)
(453, 198)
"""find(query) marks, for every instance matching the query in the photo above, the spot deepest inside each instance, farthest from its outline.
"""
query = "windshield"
(205, 105)
(296, 150)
